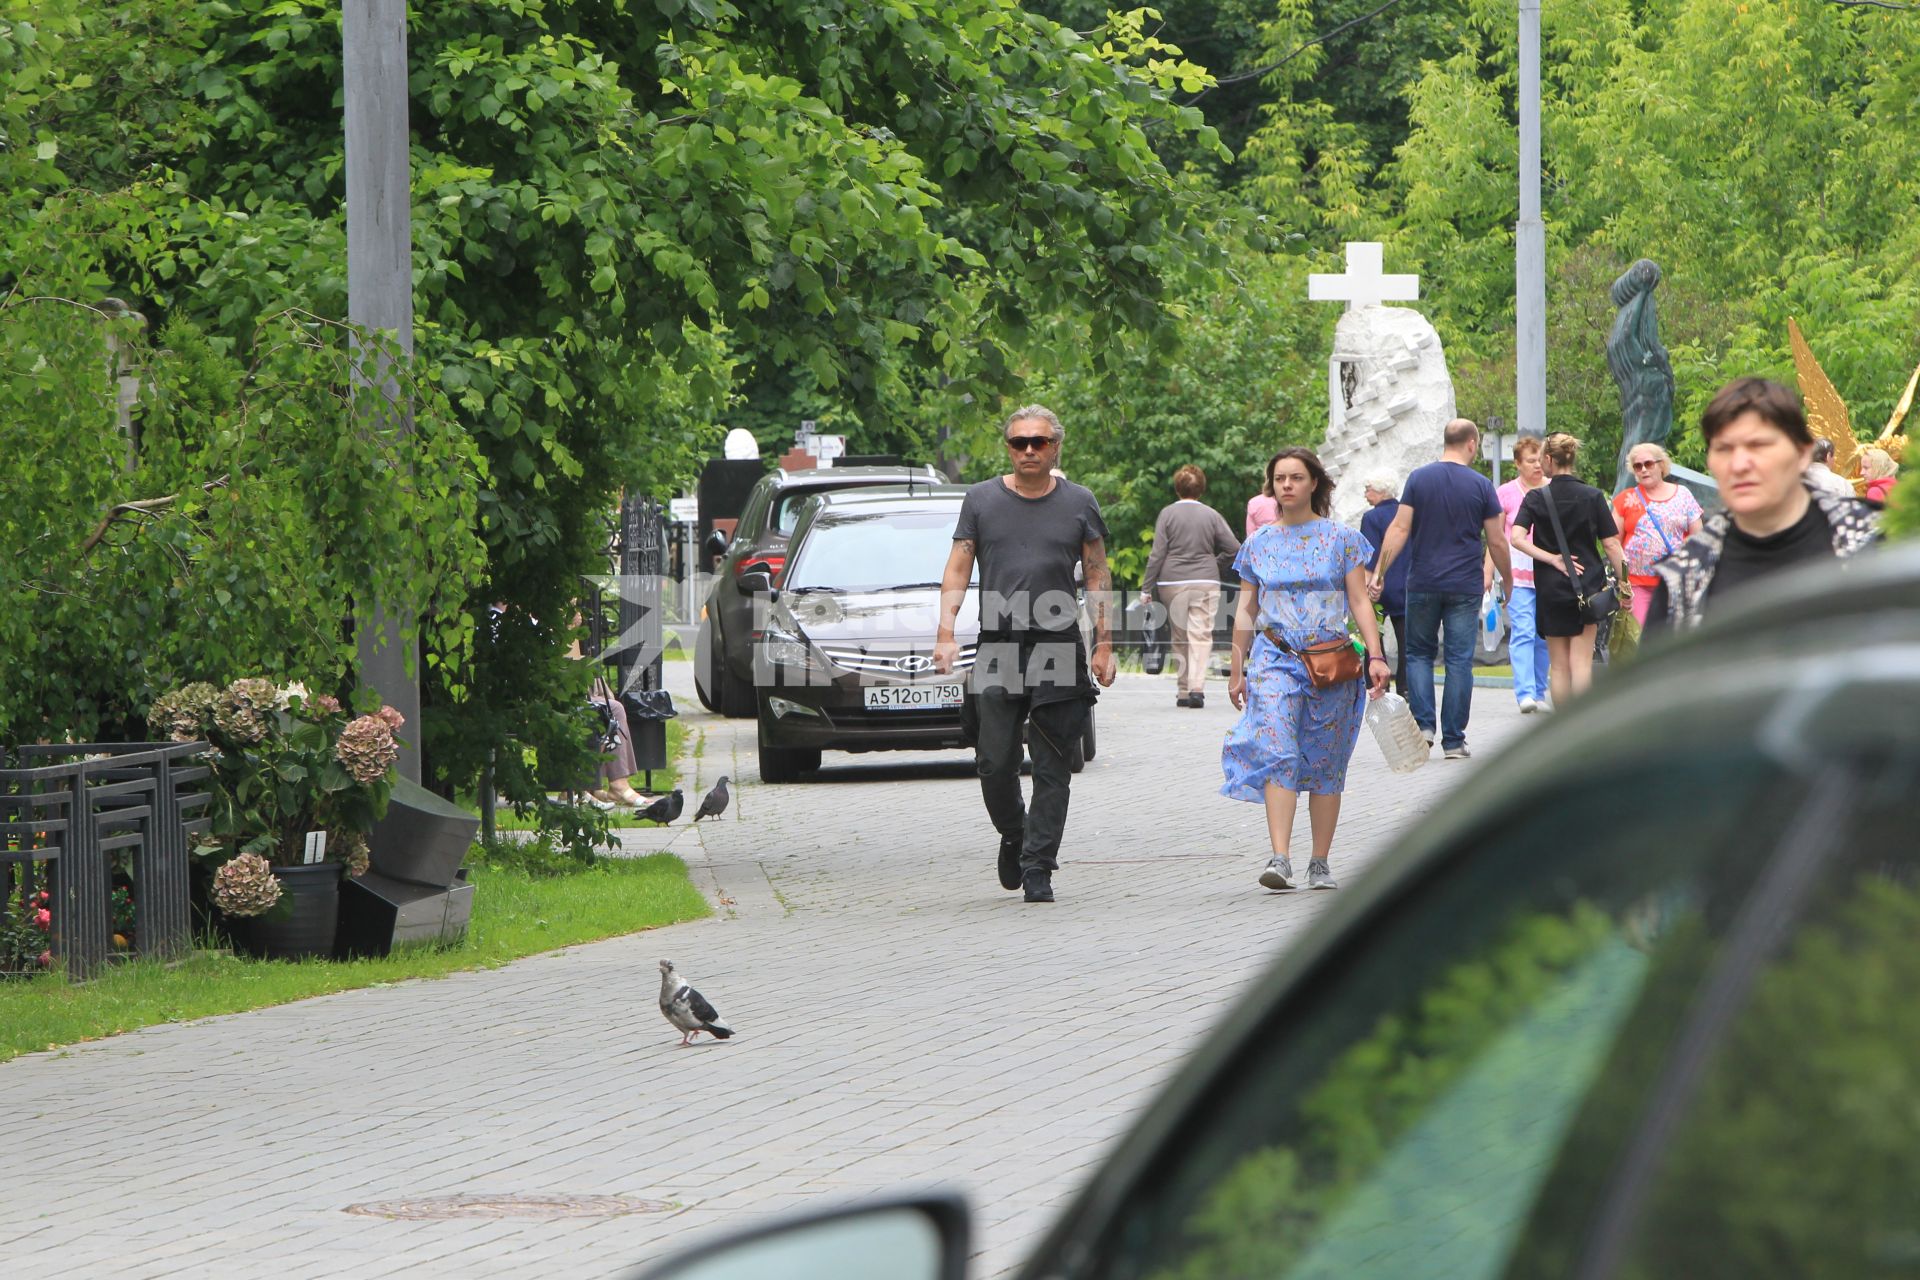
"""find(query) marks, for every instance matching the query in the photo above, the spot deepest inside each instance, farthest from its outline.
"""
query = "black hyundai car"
(844, 650)
(1638, 1001)
(723, 676)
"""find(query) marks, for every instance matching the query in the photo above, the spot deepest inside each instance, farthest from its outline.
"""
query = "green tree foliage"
(622, 211)
(1240, 385)
(229, 526)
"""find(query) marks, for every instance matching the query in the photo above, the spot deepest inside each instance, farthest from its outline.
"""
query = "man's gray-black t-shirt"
(1026, 549)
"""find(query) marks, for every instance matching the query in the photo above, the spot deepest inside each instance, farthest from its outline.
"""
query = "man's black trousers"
(1052, 729)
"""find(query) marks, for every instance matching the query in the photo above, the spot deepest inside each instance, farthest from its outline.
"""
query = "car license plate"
(914, 697)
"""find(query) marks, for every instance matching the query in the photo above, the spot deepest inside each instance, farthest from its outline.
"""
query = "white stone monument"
(1388, 391)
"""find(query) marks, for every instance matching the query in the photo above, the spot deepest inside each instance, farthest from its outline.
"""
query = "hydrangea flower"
(245, 886)
(245, 710)
(366, 749)
(184, 714)
(351, 848)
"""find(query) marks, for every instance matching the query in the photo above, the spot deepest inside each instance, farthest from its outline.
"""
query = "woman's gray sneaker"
(1279, 873)
(1319, 876)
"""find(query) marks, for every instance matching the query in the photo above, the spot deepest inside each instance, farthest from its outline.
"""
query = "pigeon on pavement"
(687, 1009)
(664, 810)
(715, 802)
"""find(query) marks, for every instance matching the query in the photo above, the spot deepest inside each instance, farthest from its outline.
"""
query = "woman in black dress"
(1587, 518)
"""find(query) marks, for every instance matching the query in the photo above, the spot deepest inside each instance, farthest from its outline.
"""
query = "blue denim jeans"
(1525, 647)
(1458, 612)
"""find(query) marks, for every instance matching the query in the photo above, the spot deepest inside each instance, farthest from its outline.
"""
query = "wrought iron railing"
(70, 813)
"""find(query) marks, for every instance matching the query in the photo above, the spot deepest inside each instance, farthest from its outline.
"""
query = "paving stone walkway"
(903, 1021)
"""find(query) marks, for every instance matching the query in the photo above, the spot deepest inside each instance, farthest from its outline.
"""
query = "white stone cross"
(1363, 285)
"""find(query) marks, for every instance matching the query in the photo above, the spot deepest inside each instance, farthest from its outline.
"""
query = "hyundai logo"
(913, 664)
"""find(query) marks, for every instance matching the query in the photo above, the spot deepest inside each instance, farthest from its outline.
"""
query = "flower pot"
(302, 923)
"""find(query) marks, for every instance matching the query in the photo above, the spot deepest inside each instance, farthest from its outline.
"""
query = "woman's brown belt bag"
(1327, 664)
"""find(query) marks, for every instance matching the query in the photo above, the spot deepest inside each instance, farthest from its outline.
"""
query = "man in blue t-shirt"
(1446, 511)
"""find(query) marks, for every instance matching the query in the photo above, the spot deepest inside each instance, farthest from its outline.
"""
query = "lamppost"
(1530, 243)
(380, 286)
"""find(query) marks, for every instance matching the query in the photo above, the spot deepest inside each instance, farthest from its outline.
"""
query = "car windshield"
(875, 550)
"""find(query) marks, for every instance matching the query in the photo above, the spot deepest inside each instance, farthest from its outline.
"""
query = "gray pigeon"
(715, 802)
(687, 1009)
(664, 810)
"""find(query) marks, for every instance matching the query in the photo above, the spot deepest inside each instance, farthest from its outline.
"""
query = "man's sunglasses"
(1028, 444)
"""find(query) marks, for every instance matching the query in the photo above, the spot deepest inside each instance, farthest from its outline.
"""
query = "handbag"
(1327, 664)
(1646, 513)
(1592, 607)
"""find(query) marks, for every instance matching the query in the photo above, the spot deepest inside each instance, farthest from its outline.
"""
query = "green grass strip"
(514, 915)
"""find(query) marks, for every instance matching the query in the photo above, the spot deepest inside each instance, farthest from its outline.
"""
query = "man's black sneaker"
(1010, 862)
(1039, 886)
(1197, 700)
(1181, 700)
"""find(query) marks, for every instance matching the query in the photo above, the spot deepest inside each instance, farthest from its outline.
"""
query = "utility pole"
(380, 287)
(1530, 244)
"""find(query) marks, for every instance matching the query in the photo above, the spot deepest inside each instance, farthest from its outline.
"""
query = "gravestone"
(414, 889)
(1388, 391)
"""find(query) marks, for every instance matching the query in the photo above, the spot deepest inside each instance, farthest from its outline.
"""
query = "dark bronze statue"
(1640, 366)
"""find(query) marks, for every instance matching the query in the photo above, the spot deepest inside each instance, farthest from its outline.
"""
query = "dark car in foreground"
(1642, 999)
(723, 674)
(845, 651)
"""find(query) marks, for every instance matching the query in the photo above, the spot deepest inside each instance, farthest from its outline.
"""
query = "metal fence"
(71, 813)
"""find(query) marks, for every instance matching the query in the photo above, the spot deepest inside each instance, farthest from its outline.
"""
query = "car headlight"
(787, 651)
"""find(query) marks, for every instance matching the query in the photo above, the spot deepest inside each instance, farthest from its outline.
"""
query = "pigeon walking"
(715, 802)
(687, 1009)
(665, 810)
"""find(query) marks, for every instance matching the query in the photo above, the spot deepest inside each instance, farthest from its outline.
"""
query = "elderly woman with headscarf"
(1656, 516)
(1878, 469)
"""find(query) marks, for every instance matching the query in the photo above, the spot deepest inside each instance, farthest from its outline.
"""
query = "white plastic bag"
(1492, 620)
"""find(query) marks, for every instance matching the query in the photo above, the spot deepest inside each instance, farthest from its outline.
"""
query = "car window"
(1442, 1102)
(1797, 1152)
(872, 551)
(786, 509)
(753, 515)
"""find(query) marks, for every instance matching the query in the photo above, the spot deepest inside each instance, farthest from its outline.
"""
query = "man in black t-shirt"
(1027, 530)
(1758, 450)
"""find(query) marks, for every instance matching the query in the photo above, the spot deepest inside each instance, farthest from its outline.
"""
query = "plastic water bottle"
(1400, 739)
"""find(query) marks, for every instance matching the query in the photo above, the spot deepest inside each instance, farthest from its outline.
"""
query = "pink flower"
(43, 919)
(393, 718)
(327, 703)
(46, 959)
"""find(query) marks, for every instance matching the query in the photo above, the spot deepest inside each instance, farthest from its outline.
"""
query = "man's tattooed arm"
(1093, 564)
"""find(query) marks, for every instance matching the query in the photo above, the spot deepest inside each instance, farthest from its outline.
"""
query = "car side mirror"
(756, 582)
(922, 1238)
(716, 545)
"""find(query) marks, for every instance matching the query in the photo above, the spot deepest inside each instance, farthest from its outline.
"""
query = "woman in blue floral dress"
(1301, 578)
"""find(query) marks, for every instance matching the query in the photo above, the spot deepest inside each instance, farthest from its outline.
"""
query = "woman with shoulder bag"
(1655, 517)
(1295, 676)
(1559, 525)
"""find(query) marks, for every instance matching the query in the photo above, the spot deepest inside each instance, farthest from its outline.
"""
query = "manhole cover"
(535, 1207)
